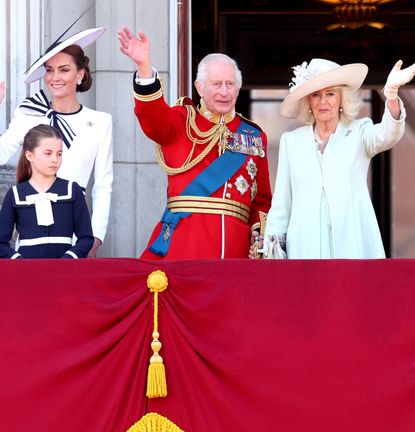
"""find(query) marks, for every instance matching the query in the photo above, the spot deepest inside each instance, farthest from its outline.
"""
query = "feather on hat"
(317, 75)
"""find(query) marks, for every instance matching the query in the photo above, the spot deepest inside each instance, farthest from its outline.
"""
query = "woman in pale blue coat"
(321, 206)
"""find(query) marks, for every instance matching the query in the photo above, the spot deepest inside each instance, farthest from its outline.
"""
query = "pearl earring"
(341, 109)
(79, 82)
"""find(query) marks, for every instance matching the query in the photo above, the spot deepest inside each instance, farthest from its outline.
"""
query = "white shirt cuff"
(147, 81)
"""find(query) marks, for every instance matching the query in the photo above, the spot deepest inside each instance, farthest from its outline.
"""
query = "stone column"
(139, 183)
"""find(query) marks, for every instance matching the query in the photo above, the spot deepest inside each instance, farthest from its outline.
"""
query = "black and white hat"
(86, 37)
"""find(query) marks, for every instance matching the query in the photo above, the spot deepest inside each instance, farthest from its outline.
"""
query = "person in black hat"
(86, 133)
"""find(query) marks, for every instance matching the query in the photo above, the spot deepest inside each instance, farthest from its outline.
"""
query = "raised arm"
(138, 50)
(396, 78)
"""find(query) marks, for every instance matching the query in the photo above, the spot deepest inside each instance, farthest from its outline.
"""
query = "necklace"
(321, 145)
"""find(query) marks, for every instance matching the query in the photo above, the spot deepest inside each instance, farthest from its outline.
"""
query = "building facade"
(28, 27)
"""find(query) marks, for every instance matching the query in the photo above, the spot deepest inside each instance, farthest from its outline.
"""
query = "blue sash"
(205, 184)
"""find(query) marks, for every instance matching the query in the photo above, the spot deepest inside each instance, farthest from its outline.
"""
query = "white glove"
(397, 78)
(276, 247)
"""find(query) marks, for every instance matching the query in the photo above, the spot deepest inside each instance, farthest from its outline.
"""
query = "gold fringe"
(153, 422)
(156, 375)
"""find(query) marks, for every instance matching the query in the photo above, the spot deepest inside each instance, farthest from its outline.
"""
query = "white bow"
(43, 207)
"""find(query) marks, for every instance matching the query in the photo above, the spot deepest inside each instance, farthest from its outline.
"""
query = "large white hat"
(317, 75)
(83, 38)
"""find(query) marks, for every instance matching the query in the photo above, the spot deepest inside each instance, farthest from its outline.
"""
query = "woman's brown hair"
(82, 62)
(30, 142)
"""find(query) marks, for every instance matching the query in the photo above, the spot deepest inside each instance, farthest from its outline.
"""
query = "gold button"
(228, 195)
(230, 185)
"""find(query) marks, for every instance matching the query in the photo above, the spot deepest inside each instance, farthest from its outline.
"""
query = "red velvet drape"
(287, 346)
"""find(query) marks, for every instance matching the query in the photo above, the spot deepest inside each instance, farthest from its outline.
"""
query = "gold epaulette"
(183, 101)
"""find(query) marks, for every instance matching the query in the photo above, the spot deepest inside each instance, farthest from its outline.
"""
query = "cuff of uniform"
(147, 93)
(146, 81)
(16, 256)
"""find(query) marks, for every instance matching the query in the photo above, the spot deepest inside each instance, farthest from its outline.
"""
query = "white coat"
(90, 150)
(295, 209)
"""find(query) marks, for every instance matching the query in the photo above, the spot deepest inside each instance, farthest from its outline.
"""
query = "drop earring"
(79, 82)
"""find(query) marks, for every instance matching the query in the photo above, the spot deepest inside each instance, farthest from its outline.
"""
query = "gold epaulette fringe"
(153, 422)
(181, 101)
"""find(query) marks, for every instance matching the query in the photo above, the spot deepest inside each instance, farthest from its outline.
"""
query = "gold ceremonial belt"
(208, 205)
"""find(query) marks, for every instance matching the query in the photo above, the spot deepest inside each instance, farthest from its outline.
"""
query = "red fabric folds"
(288, 346)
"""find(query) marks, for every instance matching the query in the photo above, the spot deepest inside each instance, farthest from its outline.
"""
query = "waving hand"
(137, 48)
(396, 78)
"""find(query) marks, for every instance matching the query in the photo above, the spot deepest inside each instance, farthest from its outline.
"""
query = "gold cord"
(218, 134)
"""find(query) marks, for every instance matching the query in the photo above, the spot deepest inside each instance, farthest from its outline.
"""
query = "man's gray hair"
(217, 58)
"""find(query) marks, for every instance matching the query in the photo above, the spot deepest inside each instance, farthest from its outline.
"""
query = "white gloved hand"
(276, 247)
(396, 78)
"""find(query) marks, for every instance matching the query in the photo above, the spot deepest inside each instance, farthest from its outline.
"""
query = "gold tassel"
(156, 376)
(153, 422)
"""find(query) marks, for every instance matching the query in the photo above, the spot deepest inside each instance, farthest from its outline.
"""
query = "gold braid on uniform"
(218, 134)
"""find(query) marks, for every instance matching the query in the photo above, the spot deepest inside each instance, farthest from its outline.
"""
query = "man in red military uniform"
(216, 162)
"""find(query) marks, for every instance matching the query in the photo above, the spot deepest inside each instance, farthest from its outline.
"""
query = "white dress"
(322, 204)
(326, 241)
(90, 150)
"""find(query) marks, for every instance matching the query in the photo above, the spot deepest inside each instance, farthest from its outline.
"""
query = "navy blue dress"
(70, 216)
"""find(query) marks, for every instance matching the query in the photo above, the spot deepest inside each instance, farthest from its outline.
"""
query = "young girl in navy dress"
(45, 210)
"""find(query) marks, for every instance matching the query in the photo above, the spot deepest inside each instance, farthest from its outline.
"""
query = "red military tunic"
(199, 235)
